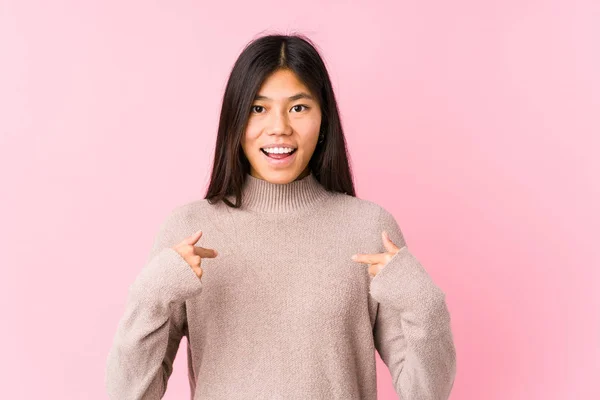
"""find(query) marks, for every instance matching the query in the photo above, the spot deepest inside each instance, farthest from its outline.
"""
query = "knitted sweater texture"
(283, 312)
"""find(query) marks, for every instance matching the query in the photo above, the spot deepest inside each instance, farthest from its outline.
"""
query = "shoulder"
(193, 212)
(177, 223)
(370, 219)
(185, 216)
(362, 208)
(195, 207)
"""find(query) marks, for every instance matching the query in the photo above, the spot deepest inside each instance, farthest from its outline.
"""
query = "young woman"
(259, 275)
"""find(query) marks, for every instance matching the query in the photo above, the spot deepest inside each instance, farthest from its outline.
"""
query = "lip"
(284, 162)
(268, 146)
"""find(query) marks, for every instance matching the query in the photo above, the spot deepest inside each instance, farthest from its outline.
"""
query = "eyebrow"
(297, 96)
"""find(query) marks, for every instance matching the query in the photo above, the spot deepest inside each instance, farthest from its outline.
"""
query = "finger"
(373, 269)
(193, 238)
(387, 242)
(204, 252)
(368, 258)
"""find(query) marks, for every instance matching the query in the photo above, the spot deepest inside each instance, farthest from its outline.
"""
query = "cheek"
(251, 136)
(252, 131)
(249, 144)
(314, 128)
(307, 128)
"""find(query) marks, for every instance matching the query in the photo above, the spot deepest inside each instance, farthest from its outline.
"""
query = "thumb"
(193, 238)
(387, 242)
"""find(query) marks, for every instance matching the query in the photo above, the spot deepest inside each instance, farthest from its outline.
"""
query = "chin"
(282, 176)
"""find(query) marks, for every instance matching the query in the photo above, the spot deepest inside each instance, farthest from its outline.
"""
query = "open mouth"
(278, 156)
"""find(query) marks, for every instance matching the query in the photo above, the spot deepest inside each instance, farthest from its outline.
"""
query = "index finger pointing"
(365, 258)
(204, 252)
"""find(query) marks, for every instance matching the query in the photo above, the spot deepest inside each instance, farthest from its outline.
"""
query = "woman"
(259, 275)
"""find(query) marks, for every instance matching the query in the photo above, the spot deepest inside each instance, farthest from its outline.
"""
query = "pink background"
(474, 122)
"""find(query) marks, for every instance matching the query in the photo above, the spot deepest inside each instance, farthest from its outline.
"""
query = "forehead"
(281, 84)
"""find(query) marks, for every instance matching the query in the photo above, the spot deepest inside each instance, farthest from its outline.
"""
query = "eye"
(253, 107)
(301, 105)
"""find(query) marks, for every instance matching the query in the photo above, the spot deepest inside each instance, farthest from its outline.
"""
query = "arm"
(412, 329)
(140, 360)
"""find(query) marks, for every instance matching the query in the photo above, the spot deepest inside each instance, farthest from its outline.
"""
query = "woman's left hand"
(377, 261)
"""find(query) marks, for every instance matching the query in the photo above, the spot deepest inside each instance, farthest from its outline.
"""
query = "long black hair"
(260, 58)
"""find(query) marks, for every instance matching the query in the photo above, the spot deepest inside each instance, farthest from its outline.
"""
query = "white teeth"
(279, 150)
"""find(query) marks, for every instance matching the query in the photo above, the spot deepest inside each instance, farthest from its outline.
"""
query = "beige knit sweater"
(283, 312)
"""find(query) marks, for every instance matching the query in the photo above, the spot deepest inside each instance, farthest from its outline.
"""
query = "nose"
(279, 123)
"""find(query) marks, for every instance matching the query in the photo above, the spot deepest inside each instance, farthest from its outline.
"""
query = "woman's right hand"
(193, 255)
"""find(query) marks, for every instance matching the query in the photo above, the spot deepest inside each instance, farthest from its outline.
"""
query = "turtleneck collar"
(264, 196)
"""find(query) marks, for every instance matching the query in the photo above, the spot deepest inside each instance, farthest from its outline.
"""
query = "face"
(286, 114)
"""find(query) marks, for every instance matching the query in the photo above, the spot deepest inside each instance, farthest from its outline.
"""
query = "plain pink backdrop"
(475, 123)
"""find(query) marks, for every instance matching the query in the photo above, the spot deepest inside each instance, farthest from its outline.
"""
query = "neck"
(263, 196)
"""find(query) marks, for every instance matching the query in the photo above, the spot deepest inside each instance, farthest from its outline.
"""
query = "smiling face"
(285, 113)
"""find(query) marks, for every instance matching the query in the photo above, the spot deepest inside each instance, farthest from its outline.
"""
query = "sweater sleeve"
(148, 335)
(412, 330)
